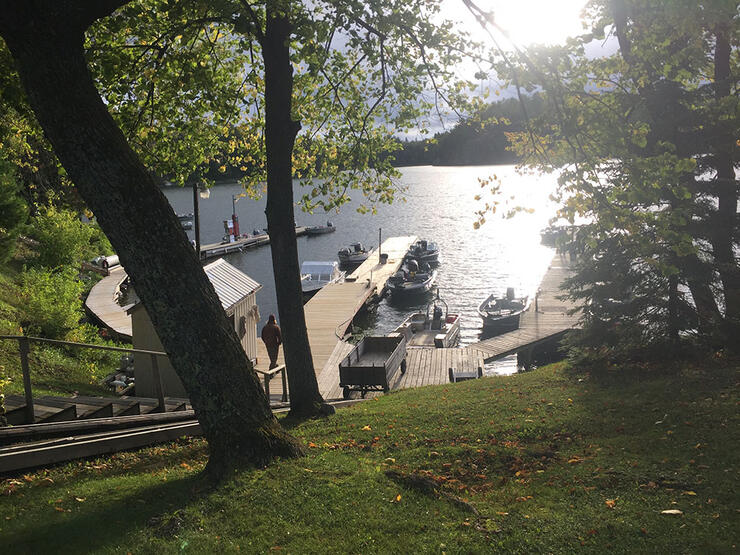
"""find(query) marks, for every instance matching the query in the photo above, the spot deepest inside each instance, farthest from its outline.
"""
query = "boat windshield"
(319, 271)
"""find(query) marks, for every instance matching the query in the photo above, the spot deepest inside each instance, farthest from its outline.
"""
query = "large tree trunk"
(725, 228)
(280, 134)
(46, 40)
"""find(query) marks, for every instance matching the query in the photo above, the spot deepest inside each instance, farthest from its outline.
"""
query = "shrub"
(51, 301)
(64, 240)
(13, 213)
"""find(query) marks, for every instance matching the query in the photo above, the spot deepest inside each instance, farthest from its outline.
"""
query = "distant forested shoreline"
(478, 140)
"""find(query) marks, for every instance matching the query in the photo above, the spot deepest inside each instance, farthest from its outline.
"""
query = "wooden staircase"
(62, 409)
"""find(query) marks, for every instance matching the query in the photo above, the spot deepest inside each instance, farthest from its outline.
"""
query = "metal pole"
(380, 242)
(196, 218)
(158, 383)
(24, 349)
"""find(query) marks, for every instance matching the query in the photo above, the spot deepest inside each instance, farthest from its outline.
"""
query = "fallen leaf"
(610, 503)
(80, 499)
(671, 512)
(689, 493)
(312, 444)
(366, 428)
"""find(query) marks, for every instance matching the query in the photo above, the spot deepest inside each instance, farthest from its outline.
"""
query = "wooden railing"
(24, 349)
(268, 375)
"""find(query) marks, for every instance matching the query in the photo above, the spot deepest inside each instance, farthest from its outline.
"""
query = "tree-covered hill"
(480, 139)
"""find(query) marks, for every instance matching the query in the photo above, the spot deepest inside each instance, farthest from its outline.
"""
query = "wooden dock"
(213, 250)
(101, 302)
(545, 320)
(330, 312)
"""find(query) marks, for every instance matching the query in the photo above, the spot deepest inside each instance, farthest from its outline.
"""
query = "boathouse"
(237, 293)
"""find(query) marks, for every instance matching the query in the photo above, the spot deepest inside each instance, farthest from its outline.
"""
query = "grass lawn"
(549, 461)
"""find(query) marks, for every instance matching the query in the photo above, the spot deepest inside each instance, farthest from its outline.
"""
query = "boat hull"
(412, 289)
(320, 230)
(501, 325)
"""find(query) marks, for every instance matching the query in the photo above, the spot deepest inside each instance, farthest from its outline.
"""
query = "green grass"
(552, 460)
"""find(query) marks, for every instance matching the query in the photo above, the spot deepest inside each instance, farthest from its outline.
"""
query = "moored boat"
(501, 313)
(320, 229)
(435, 327)
(411, 281)
(424, 251)
(354, 254)
(319, 274)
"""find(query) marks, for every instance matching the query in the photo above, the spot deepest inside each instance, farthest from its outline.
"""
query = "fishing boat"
(411, 281)
(319, 274)
(434, 327)
(501, 313)
(424, 251)
(321, 229)
(186, 220)
(354, 254)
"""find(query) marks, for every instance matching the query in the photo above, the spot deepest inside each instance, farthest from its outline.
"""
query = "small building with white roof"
(237, 293)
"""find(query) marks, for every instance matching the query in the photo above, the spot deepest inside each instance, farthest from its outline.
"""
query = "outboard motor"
(510, 293)
(413, 265)
(437, 318)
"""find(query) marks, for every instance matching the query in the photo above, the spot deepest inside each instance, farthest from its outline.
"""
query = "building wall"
(144, 337)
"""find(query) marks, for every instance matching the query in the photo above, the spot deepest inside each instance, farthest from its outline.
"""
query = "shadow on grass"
(106, 525)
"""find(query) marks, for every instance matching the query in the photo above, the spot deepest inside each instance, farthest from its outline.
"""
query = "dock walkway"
(545, 319)
(101, 302)
(330, 312)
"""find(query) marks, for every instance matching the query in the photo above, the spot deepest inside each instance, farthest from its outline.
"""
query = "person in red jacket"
(272, 339)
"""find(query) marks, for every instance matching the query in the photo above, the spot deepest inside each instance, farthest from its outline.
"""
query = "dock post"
(196, 218)
(158, 383)
(380, 243)
(24, 348)
(285, 387)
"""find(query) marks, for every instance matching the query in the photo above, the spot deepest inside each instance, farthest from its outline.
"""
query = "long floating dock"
(330, 312)
(213, 250)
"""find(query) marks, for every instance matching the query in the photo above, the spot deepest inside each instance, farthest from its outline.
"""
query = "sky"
(526, 22)
(522, 23)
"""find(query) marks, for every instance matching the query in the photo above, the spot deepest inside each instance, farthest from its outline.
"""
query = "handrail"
(86, 345)
(24, 350)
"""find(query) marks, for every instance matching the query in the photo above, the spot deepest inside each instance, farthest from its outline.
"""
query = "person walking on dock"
(272, 338)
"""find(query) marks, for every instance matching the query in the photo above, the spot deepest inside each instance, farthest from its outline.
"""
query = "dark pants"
(272, 352)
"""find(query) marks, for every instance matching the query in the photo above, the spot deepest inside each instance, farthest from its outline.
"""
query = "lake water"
(438, 204)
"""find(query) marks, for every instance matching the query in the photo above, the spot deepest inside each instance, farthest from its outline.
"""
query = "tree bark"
(726, 225)
(280, 134)
(46, 40)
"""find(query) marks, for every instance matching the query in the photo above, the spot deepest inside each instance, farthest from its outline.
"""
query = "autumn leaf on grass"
(610, 503)
(671, 512)
(312, 444)
(689, 493)
(366, 428)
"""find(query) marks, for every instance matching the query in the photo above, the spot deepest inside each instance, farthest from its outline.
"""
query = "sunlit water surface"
(440, 205)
